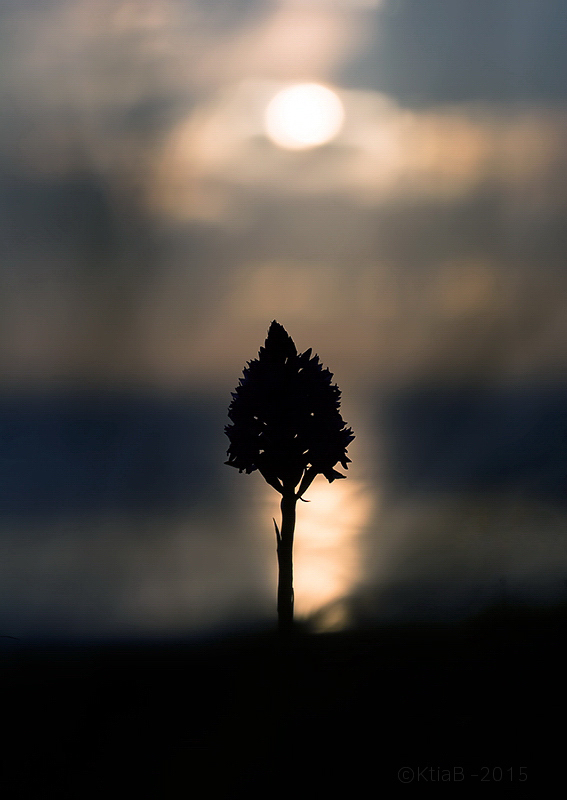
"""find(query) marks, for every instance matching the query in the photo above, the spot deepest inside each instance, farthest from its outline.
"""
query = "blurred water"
(150, 231)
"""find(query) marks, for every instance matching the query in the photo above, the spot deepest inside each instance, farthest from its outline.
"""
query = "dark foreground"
(477, 706)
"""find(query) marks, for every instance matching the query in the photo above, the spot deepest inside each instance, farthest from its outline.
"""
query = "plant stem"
(285, 563)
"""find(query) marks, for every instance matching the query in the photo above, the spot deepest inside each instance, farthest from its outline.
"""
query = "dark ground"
(329, 714)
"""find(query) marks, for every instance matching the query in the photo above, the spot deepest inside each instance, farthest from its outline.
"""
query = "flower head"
(285, 417)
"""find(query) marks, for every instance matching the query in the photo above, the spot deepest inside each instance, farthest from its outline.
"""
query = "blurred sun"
(304, 115)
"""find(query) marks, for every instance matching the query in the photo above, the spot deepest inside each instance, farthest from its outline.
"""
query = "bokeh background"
(150, 232)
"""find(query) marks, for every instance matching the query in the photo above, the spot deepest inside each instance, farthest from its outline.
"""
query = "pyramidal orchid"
(286, 423)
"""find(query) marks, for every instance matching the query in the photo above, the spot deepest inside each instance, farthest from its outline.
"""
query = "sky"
(151, 228)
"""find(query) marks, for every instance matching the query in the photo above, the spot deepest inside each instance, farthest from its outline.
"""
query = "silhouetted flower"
(285, 417)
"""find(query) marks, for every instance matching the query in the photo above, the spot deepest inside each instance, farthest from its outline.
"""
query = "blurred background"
(387, 179)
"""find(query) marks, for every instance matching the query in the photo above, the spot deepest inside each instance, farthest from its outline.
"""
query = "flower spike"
(285, 419)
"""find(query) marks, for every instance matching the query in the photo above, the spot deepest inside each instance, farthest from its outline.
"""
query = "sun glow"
(303, 116)
(327, 560)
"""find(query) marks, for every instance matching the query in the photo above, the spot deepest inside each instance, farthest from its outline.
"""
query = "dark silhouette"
(286, 424)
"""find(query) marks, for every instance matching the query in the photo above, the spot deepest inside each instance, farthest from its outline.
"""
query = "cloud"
(444, 51)
(384, 153)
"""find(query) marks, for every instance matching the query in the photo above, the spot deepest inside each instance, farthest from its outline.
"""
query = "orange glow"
(327, 547)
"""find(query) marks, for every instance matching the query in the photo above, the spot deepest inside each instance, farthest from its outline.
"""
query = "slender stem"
(285, 563)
